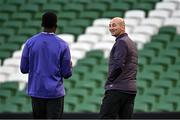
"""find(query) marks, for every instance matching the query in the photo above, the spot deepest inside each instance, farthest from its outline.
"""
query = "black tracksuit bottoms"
(117, 104)
(47, 108)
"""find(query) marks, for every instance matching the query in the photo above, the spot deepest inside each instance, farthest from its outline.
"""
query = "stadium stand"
(152, 24)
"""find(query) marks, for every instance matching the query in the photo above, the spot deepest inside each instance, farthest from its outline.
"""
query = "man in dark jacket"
(120, 88)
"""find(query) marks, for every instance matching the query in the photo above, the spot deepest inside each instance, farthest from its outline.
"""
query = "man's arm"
(24, 65)
(66, 64)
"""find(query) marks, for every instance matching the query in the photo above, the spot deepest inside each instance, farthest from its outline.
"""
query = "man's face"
(114, 28)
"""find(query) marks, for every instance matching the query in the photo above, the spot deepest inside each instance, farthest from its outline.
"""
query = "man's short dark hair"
(49, 20)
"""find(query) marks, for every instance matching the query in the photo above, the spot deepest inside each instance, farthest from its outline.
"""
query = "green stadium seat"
(96, 78)
(112, 14)
(52, 7)
(130, 2)
(13, 24)
(120, 6)
(8, 8)
(177, 37)
(143, 6)
(81, 70)
(4, 95)
(80, 23)
(171, 76)
(87, 85)
(178, 108)
(171, 53)
(84, 2)
(79, 92)
(27, 108)
(12, 86)
(174, 91)
(27, 31)
(73, 30)
(67, 85)
(99, 92)
(71, 100)
(162, 38)
(156, 92)
(140, 107)
(171, 30)
(99, 7)
(156, 69)
(164, 84)
(142, 62)
(7, 32)
(155, 46)
(148, 100)
(23, 94)
(2, 39)
(38, 16)
(89, 62)
(149, 77)
(91, 15)
(2, 2)
(97, 54)
(76, 7)
(86, 108)
(70, 103)
(20, 102)
(164, 61)
(16, 2)
(17, 39)
(174, 68)
(38, 2)
(31, 8)
(21, 16)
(150, 1)
(3, 17)
(36, 24)
(102, 69)
(67, 108)
(149, 54)
(173, 99)
(73, 80)
(61, 2)
(163, 107)
(141, 86)
(104, 61)
(62, 23)
(4, 55)
(9, 108)
(10, 47)
(174, 45)
(69, 15)
(97, 100)
(107, 2)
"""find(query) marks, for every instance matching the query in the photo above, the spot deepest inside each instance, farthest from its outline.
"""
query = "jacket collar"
(120, 36)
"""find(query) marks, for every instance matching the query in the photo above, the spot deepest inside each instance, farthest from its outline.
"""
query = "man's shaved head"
(117, 26)
(119, 20)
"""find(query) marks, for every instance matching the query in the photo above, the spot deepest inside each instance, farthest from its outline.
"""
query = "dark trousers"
(117, 104)
(47, 108)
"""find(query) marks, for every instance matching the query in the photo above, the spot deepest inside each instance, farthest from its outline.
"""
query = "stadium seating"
(152, 24)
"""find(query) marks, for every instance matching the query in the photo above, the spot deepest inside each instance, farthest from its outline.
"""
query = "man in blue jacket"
(46, 58)
(120, 88)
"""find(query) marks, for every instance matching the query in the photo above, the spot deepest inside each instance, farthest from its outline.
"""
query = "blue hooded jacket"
(47, 59)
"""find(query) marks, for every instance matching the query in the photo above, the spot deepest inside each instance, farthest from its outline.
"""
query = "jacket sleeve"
(24, 65)
(66, 64)
(119, 56)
